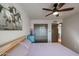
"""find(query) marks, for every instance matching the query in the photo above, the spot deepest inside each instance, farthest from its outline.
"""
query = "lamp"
(55, 13)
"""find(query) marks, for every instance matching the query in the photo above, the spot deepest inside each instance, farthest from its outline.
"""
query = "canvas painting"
(10, 18)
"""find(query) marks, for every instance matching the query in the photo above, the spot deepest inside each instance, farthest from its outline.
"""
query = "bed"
(50, 49)
(41, 49)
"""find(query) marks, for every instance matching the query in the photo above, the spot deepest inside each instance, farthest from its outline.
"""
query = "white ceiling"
(34, 10)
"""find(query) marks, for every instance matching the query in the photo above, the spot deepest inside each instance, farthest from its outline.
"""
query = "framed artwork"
(10, 18)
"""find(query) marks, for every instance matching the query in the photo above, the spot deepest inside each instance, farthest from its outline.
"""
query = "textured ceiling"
(34, 10)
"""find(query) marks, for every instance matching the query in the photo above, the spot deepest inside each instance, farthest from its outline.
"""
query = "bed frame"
(4, 49)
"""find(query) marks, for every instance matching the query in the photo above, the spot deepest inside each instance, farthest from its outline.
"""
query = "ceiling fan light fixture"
(55, 13)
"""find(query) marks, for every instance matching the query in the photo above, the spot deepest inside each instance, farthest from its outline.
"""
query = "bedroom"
(31, 14)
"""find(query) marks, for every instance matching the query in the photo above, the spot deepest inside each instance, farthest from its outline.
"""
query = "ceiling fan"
(57, 8)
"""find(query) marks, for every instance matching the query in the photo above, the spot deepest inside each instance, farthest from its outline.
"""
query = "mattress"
(50, 49)
(41, 49)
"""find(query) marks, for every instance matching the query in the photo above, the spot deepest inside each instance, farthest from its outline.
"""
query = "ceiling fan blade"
(61, 5)
(66, 9)
(47, 9)
(49, 14)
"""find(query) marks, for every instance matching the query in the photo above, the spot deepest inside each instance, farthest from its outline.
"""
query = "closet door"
(55, 33)
(41, 32)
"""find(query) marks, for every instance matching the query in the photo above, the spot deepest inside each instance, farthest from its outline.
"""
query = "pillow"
(27, 43)
(31, 38)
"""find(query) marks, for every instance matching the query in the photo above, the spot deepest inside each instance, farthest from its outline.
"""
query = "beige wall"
(6, 36)
(70, 32)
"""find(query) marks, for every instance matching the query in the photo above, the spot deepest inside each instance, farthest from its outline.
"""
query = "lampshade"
(55, 13)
